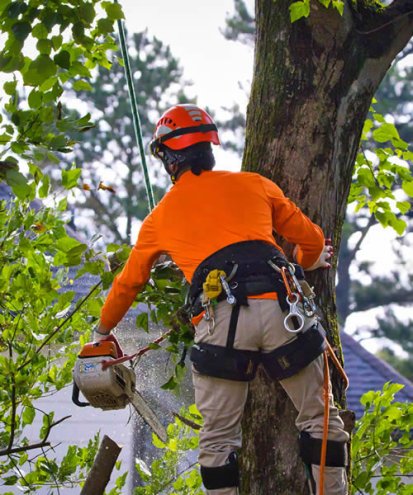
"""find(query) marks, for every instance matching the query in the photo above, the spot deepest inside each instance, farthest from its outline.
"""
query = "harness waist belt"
(254, 286)
(247, 271)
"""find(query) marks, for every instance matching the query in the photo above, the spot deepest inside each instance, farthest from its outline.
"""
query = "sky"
(218, 68)
(192, 29)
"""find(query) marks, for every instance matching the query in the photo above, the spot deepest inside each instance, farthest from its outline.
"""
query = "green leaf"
(82, 86)
(21, 30)
(35, 99)
(40, 70)
(386, 132)
(18, 183)
(158, 442)
(40, 31)
(105, 26)
(171, 384)
(398, 224)
(113, 10)
(87, 13)
(15, 9)
(62, 59)
(57, 41)
(403, 206)
(44, 46)
(10, 87)
(299, 9)
(45, 187)
(70, 177)
(142, 321)
(407, 187)
(28, 415)
(339, 6)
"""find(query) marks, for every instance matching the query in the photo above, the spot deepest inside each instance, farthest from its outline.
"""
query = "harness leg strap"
(226, 476)
(290, 358)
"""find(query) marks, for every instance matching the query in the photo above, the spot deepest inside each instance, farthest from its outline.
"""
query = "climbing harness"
(266, 271)
(253, 268)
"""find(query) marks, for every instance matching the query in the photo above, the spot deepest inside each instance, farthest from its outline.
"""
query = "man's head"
(182, 140)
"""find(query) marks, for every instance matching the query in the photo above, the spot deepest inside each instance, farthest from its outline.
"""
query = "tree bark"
(312, 87)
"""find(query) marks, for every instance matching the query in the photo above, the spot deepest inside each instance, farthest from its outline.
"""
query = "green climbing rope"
(135, 114)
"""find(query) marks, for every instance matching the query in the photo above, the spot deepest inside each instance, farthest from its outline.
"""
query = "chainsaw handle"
(75, 396)
(113, 362)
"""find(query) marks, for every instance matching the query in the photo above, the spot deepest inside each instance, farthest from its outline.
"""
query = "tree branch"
(383, 31)
(364, 231)
(403, 296)
(38, 445)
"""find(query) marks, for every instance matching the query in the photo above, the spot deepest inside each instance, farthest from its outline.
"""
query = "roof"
(368, 372)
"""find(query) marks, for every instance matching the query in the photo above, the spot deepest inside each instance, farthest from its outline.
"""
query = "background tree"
(108, 152)
(312, 88)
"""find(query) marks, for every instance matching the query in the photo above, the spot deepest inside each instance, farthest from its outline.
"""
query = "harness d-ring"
(293, 313)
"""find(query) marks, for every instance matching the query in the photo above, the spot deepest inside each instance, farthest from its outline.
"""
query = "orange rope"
(286, 282)
(337, 364)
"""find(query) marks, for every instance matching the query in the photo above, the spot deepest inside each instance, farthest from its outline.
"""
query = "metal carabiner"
(230, 296)
(294, 313)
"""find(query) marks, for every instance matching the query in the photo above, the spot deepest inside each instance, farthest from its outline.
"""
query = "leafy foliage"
(165, 299)
(39, 337)
(301, 9)
(382, 444)
(167, 475)
(68, 41)
(377, 176)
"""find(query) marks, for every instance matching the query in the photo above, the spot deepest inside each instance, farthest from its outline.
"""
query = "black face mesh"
(197, 157)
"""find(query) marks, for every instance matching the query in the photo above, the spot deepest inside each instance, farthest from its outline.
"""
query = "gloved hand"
(98, 337)
(325, 256)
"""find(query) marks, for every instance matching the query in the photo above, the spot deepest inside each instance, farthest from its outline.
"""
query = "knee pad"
(225, 476)
(291, 358)
(310, 451)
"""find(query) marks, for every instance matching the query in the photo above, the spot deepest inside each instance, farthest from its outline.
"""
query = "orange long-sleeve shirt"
(202, 214)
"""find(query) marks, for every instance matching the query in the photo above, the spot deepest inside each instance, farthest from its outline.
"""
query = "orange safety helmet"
(182, 126)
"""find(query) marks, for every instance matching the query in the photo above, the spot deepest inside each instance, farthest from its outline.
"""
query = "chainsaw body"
(106, 389)
(112, 387)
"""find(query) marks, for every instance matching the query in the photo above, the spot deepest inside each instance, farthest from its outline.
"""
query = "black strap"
(187, 130)
(310, 451)
(233, 326)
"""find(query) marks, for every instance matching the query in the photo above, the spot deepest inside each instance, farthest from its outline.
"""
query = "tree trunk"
(312, 87)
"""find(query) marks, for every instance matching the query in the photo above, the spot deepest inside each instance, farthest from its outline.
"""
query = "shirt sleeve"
(133, 276)
(291, 223)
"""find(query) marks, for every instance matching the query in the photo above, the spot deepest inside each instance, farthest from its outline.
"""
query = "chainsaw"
(110, 387)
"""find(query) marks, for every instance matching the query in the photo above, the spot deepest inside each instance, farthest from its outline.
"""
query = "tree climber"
(218, 228)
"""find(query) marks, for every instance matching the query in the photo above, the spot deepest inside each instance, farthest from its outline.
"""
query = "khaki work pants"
(221, 402)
